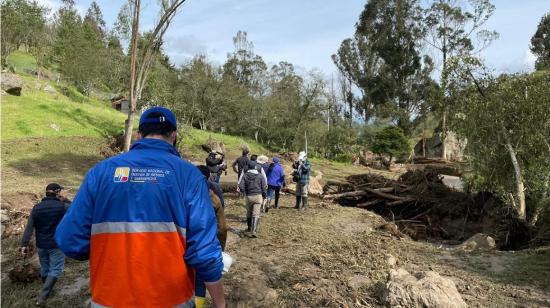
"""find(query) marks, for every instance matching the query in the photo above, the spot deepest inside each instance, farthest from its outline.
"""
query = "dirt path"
(328, 256)
(331, 256)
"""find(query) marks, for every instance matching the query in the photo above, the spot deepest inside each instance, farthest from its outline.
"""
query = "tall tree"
(540, 43)
(451, 26)
(23, 24)
(383, 59)
(139, 69)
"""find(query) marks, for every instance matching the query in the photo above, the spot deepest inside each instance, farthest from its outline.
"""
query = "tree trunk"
(128, 128)
(538, 210)
(520, 193)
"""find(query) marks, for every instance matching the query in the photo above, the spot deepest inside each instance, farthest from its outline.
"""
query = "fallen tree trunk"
(356, 193)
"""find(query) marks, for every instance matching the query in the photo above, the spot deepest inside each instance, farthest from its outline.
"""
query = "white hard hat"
(302, 155)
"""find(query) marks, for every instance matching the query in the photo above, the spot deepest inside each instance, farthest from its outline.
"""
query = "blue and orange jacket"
(146, 222)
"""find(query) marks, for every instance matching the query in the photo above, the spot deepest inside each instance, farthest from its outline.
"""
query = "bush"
(391, 142)
(343, 158)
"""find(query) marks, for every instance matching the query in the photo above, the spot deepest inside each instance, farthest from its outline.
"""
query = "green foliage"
(512, 109)
(383, 60)
(390, 141)
(21, 61)
(540, 43)
(343, 158)
(23, 24)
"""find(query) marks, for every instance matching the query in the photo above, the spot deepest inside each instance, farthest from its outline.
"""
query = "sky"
(307, 32)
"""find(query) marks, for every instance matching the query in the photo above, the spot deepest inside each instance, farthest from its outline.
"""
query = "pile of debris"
(424, 208)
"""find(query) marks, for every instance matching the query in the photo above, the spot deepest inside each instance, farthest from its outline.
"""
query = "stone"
(358, 281)
(12, 84)
(48, 88)
(55, 127)
(425, 289)
(391, 260)
(478, 242)
(4, 217)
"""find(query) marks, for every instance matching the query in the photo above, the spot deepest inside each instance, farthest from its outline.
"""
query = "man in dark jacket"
(254, 186)
(240, 163)
(214, 162)
(302, 170)
(44, 217)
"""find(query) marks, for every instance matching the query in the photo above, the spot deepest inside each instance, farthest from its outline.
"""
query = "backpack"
(295, 176)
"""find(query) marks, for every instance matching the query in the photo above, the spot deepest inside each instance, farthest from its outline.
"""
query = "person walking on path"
(145, 220)
(275, 181)
(44, 217)
(254, 186)
(240, 163)
(217, 201)
(302, 170)
(263, 163)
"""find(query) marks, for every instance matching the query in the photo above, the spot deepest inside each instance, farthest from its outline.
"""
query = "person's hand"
(264, 195)
(24, 250)
(238, 189)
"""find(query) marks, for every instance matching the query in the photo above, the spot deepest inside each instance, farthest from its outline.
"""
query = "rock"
(12, 84)
(391, 260)
(4, 216)
(478, 242)
(49, 89)
(455, 147)
(358, 281)
(427, 289)
(55, 127)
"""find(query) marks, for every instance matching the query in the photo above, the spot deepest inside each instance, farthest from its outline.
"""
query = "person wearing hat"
(44, 217)
(146, 222)
(254, 187)
(263, 163)
(275, 180)
(302, 170)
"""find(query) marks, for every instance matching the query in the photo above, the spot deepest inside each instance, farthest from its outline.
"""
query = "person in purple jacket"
(275, 180)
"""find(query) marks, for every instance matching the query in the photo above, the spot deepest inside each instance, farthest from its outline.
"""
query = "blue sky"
(307, 32)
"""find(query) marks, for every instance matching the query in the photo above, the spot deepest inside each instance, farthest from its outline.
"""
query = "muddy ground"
(328, 256)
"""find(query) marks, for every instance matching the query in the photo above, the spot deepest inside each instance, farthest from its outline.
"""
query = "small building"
(122, 105)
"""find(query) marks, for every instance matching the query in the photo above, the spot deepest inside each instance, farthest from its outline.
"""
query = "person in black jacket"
(44, 217)
(240, 163)
(216, 165)
(254, 186)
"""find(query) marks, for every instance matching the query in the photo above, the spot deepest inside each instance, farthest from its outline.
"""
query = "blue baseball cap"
(164, 115)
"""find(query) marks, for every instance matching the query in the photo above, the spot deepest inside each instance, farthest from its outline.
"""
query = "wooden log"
(369, 203)
(384, 195)
(399, 202)
(356, 193)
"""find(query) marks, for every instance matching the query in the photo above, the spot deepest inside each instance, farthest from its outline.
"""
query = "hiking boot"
(304, 203)
(267, 205)
(46, 290)
(255, 223)
(249, 224)
(298, 200)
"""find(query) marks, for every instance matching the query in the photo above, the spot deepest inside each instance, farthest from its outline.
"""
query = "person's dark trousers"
(274, 190)
(298, 201)
(214, 177)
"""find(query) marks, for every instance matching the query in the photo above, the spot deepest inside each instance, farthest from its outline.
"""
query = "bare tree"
(140, 65)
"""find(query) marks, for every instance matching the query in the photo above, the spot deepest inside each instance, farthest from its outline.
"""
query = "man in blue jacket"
(146, 222)
(275, 180)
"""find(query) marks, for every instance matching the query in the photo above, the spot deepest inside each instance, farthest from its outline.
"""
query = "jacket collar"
(50, 198)
(154, 144)
(253, 171)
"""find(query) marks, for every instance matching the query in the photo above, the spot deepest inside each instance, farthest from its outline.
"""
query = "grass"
(21, 61)
(37, 113)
